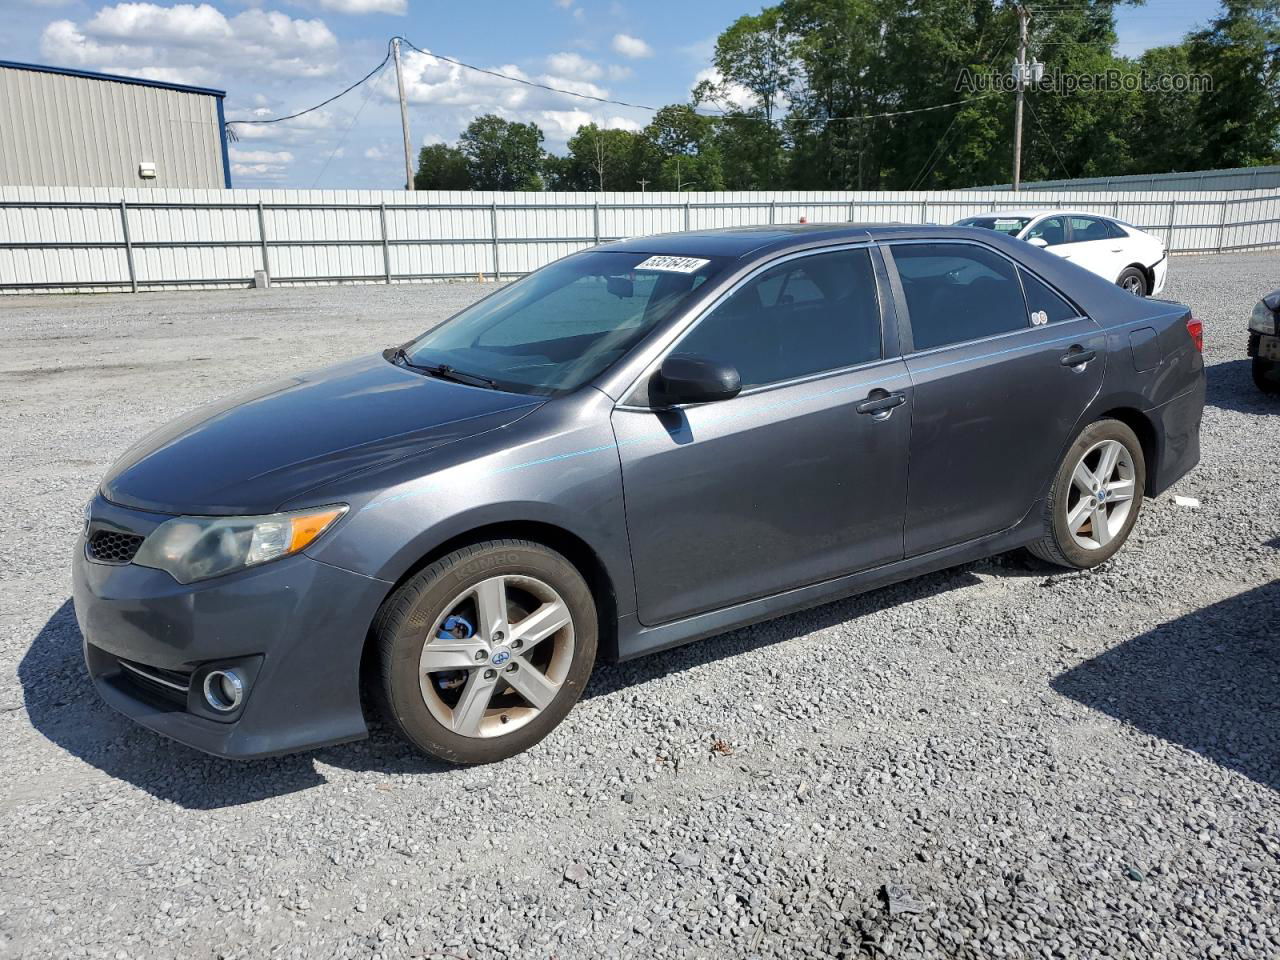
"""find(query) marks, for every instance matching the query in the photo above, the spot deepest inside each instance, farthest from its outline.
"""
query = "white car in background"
(1106, 246)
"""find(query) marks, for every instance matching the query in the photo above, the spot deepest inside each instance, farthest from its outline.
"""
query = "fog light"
(223, 690)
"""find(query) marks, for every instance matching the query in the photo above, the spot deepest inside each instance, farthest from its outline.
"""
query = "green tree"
(1165, 135)
(441, 167)
(684, 142)
(502, 154)
(1239, 122)
(601, 159)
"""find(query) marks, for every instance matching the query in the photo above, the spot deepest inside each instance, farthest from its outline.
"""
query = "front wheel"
(1095, 498)
(1133, 280)
(1266, 375)
(486, 650)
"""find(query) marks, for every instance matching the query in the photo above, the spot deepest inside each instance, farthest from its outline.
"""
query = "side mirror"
(1040, 242)
(686, 378)
(623, 288)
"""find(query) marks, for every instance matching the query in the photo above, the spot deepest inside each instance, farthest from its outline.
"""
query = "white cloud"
(260, 164)
(574, 65)
(564, 4)
(374, 153)
(261, 156)
(428, 80)
(630, 46)
(257, 171)
(397, 7)
(197, 43)
(457, 95)
(735, 94)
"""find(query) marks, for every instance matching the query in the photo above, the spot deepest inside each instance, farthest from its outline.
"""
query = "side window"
(1042, 300)
(957, 292)
(1052, 231)
(804, 316)
(1087, 229)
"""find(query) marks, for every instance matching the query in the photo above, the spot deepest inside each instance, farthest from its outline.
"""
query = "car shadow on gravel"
(62, 705)
(1208, 681)
(1230, 386)
(611, 677)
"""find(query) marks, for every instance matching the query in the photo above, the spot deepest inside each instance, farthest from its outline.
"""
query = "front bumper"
(296, 626)
(1159, 273)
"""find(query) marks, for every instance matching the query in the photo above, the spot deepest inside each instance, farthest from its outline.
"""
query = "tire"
(1068, 505)
(1134, 280)
(524, 672)
(1266, 375)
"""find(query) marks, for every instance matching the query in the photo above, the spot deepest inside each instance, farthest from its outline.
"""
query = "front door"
(1001, 380)
(788, 483)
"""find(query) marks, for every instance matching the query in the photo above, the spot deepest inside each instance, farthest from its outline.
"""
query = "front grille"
(108, 546)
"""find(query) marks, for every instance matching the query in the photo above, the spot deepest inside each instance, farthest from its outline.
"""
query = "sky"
(275, 57)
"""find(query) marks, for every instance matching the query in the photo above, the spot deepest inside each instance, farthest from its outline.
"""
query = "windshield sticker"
(673, 264)
(1006, 224)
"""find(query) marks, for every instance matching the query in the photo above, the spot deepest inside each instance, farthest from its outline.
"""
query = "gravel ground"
(994, 761)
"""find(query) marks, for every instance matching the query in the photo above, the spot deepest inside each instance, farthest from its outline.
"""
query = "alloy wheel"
(1101, 495)
(1133, 285)
(497, 656)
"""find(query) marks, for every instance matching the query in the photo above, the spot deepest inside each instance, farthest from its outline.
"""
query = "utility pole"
(1020, 75)
(404, 118)
(644, 185)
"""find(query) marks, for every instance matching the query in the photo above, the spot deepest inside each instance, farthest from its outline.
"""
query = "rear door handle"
(880, 403)
(1078, 356)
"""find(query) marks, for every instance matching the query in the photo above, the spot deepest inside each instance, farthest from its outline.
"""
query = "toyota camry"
(637, 446)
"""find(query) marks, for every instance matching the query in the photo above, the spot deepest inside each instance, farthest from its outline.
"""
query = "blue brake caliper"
(454, 628)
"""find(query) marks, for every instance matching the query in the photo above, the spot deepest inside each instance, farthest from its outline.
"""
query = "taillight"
(1196, 329)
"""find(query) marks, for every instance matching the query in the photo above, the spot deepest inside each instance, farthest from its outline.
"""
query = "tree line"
(805, 82)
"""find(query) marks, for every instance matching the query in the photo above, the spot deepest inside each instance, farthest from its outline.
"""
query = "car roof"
(756, 241)
(1032, 214)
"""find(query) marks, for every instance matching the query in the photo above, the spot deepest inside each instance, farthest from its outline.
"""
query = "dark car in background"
(639, 445)
(1264, 342)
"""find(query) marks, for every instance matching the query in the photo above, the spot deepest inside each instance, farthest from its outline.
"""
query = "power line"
(710, 116)
(527, 83)
(350, 126)
(737, 117)
(301, 113)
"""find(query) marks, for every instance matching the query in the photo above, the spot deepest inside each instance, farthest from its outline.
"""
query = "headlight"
(196, 548)
(1263, 320)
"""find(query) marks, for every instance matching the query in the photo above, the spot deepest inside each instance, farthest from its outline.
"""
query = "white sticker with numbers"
(668, 264)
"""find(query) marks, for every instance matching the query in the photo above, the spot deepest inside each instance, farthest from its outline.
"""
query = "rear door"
(1001, 379)
(1097, 245)
(788, 483)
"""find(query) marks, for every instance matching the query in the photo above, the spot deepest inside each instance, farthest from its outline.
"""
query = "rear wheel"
(1095, 498)
(1133, 280)
(486, 650)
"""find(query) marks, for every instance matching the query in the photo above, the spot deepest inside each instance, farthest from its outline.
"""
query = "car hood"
(252, 452)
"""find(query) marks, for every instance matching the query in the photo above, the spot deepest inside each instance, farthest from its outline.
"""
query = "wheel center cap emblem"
(1102, 495)
(501, 657)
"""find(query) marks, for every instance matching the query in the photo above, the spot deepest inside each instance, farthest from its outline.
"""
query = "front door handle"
(1077, 356)
(880, 403)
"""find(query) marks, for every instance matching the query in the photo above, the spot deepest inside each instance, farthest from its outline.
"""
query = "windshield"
(1008, 225)
(563, 325)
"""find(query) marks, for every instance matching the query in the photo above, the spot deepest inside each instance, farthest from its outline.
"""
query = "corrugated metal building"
(73, 128)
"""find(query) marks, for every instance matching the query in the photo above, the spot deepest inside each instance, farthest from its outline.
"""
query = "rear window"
(958, 292)
(1010, 226)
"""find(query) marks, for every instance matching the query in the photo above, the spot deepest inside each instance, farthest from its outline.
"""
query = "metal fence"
(69, 239)
(1235, 178)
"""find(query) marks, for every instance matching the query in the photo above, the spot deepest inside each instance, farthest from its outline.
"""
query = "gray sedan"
(640, 445)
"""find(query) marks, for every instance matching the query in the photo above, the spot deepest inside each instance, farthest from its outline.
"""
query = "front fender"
(558, 467)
